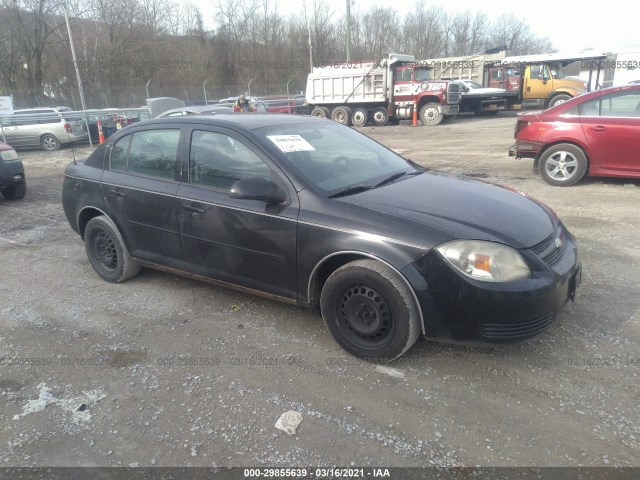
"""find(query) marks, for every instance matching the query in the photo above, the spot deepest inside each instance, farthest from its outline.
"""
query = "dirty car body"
(309, 212)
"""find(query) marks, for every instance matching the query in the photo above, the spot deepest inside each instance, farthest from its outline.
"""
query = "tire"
(558, 99)
(106, 251)
(342, 115)
(321, 112)
(16, 192)
(50, 142)
(360, 117)
(370, 288)
(380, 117)
(430, 114)
(562, 165)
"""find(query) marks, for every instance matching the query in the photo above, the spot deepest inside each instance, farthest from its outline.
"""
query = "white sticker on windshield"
(291, 143)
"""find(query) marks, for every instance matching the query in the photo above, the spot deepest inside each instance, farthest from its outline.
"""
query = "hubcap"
(364, 315)
(105, 251)
(561, 166)
(431, 114)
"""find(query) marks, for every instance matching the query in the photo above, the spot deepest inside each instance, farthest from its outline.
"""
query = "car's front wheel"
(370, 311)
(15, 192)
(107, 252)
(563, 165)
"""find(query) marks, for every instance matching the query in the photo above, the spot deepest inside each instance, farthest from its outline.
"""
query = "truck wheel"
(342, 115)
(360, 117)
(558, 99)
(430, 114)
(50, 142)
(321, 112)
(563, 165)
(16, 192)
(380, 117)
(370, 311)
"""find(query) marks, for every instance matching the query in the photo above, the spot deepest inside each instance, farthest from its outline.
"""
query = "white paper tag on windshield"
(291, 143)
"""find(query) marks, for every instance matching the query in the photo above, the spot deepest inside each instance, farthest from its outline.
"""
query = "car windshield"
(334, 159)
(556, 71)
(422, 74)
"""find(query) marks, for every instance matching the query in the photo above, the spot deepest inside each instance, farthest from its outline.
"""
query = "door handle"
(118, 193)
(193, 209)
(599, 128)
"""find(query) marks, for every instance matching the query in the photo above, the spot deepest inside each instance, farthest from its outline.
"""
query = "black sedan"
(309, 212)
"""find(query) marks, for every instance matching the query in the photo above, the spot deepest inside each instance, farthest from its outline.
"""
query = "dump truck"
(380, 91)
(539, 81)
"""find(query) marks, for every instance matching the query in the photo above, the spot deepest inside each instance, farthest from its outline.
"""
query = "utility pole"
(348, 31)
(75, 65)
(309, 32)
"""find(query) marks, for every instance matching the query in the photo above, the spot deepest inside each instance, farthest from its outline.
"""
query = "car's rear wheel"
(15, 192)
(563, 165)
(50, 142)
(360, 117)
(370, 311)
(107, 252)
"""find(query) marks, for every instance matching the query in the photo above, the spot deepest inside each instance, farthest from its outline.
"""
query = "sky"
(570, 26)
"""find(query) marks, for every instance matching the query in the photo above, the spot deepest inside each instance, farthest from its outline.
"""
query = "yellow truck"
(538, 81)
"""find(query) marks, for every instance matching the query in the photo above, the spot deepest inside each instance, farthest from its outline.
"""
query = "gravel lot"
(166, 371)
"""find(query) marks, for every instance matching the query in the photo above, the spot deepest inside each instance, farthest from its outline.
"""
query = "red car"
(596, 134)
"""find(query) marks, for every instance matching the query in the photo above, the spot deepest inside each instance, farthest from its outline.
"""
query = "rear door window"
(152, 153)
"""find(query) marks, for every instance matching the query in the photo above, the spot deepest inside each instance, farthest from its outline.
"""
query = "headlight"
(486, 261)
(9, 155)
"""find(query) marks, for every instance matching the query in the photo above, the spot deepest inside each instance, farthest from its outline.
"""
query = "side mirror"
(258, 188)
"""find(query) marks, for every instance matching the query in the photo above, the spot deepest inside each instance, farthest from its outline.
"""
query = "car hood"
(463, 208)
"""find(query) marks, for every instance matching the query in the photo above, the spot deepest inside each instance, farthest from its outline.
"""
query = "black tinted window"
(218, 160)
(151, 153)
(119, 154)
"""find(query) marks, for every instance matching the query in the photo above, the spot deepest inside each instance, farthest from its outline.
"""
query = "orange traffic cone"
(100, 132)
(415, 114)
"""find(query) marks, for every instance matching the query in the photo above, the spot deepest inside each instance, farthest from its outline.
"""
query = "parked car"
(13, 183)
(197, 110)
(313, 213)
(595, 134)
(48, 127)
(280, 105)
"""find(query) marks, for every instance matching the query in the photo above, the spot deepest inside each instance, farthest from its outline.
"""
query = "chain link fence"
(49, 119)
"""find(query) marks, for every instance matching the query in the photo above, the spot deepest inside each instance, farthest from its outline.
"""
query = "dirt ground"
(166, 371)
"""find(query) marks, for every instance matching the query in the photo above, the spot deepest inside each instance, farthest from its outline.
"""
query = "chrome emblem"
(558, 242)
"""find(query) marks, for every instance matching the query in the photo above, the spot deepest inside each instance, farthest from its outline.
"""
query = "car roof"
(5, 146)
(248, 121)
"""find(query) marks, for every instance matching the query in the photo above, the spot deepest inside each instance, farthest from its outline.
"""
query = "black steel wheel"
(370, 310)
(106, 251)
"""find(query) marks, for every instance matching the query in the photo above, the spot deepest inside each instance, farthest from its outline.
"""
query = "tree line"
(127, 49)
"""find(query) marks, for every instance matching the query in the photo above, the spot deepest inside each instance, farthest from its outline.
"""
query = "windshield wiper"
(350, 191)
(393, 177)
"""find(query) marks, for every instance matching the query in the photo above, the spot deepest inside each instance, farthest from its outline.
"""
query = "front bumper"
(11, 173)
(458, 308)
